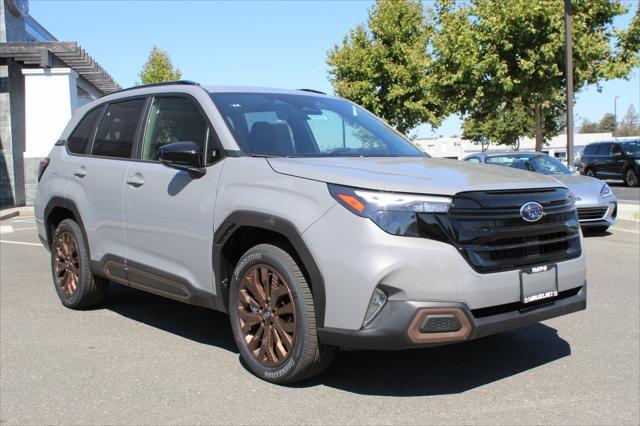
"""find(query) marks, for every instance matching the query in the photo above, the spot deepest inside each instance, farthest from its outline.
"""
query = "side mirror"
(183, 156)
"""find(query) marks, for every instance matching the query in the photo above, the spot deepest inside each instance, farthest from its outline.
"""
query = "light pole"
(615, 115)
(569, 77)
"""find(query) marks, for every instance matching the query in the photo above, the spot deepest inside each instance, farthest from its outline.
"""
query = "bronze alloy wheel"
(67, 263)
(267, 315)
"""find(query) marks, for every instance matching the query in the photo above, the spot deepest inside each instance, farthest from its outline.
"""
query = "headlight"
(637, 161)
(395, 213)
(605, 191)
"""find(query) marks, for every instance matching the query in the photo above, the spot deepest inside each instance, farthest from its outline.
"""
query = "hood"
(413, 175)
(585, 188)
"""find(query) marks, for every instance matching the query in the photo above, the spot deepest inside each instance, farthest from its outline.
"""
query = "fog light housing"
(378, 300)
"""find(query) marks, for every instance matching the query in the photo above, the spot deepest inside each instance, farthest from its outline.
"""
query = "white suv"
(314, 224)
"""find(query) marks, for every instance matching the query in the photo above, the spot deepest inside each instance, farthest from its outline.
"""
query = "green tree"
(158, 68)
(630, 124)
(607, 123)
(501, 55)
(589, 127)
(385, 65)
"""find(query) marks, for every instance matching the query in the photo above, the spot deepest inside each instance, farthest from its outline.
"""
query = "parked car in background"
(612, 160)
(596, 203)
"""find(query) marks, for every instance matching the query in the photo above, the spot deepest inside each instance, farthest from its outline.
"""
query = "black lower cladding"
(490, 232)
(389, 330)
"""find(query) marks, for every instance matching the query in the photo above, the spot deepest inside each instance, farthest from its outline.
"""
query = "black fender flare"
(242, 218)
(65, 203)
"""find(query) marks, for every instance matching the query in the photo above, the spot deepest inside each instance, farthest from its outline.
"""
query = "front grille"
(591, 213)
(489, 231)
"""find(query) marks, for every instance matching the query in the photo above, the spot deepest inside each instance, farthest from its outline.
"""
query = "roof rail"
(313, 91)
(164, 83)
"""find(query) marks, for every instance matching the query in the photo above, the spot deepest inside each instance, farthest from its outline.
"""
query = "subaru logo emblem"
(531, 211)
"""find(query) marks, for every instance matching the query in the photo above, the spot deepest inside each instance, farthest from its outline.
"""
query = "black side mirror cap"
(183, 156)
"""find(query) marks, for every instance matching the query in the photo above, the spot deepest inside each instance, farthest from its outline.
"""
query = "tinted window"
(173, 120)
(603, 149)
(77, 142)
(118, 129)
(473, 159)
(590, 149)
(616, 150)
(302, 125)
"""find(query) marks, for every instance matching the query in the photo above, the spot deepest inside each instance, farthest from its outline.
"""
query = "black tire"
(89, 290)
(590, 173)
(307, 356)
(631, 178)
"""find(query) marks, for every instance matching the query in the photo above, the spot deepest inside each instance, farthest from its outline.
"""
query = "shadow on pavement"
(445, 369)
(201, 325)
(434, 371)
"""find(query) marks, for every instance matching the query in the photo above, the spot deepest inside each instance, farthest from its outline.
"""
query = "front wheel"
(631, 178)
(273, 317)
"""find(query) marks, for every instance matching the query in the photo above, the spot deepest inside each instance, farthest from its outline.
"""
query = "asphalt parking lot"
(624, 193)
(146, 360)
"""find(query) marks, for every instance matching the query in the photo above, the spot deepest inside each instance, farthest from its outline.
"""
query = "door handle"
(81, 172)
(135, 180)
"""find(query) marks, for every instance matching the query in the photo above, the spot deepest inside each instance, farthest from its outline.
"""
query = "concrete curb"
(4, 215)
(15, 211)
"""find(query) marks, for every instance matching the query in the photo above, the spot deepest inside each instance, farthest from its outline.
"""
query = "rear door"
(97, 174)
(168, 212)
(599, 163)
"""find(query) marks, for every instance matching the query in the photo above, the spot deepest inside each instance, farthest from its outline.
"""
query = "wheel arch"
(242, 230)
(58, 209)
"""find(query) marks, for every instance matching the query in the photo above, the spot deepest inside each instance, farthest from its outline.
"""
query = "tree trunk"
(538, 118)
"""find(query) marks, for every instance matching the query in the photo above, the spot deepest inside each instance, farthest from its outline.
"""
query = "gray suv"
(314, 224)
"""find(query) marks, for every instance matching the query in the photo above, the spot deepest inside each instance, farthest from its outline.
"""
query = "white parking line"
(21, 243)
(6, 229)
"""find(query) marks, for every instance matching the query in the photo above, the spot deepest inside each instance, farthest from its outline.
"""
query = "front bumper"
(588, 219)
(398, 324)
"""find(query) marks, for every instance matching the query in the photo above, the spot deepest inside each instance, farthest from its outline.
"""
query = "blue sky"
(260, 43)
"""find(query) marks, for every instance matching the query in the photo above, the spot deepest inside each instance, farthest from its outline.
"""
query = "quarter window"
(77, 142)
(173, 120)
(117, 129)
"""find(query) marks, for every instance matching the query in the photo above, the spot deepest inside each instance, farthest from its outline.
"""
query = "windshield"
(534, 163)
(631, 148)
(286, 125)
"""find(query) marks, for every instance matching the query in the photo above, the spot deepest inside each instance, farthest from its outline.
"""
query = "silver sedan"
(596, 203)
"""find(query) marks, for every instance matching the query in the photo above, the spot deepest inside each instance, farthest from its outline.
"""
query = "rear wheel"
(76, 286)
(273, 317)
(631, 177)
(590, 173)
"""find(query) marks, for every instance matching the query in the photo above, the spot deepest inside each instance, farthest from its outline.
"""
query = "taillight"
(43, 166)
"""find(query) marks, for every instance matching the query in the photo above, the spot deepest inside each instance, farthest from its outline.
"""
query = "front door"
(168, 212)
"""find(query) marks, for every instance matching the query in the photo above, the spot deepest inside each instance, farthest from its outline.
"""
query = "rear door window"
(79, 139)
(117, 129)
(603, 149)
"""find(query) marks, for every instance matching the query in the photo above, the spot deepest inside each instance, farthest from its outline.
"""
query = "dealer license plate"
(538, 283)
